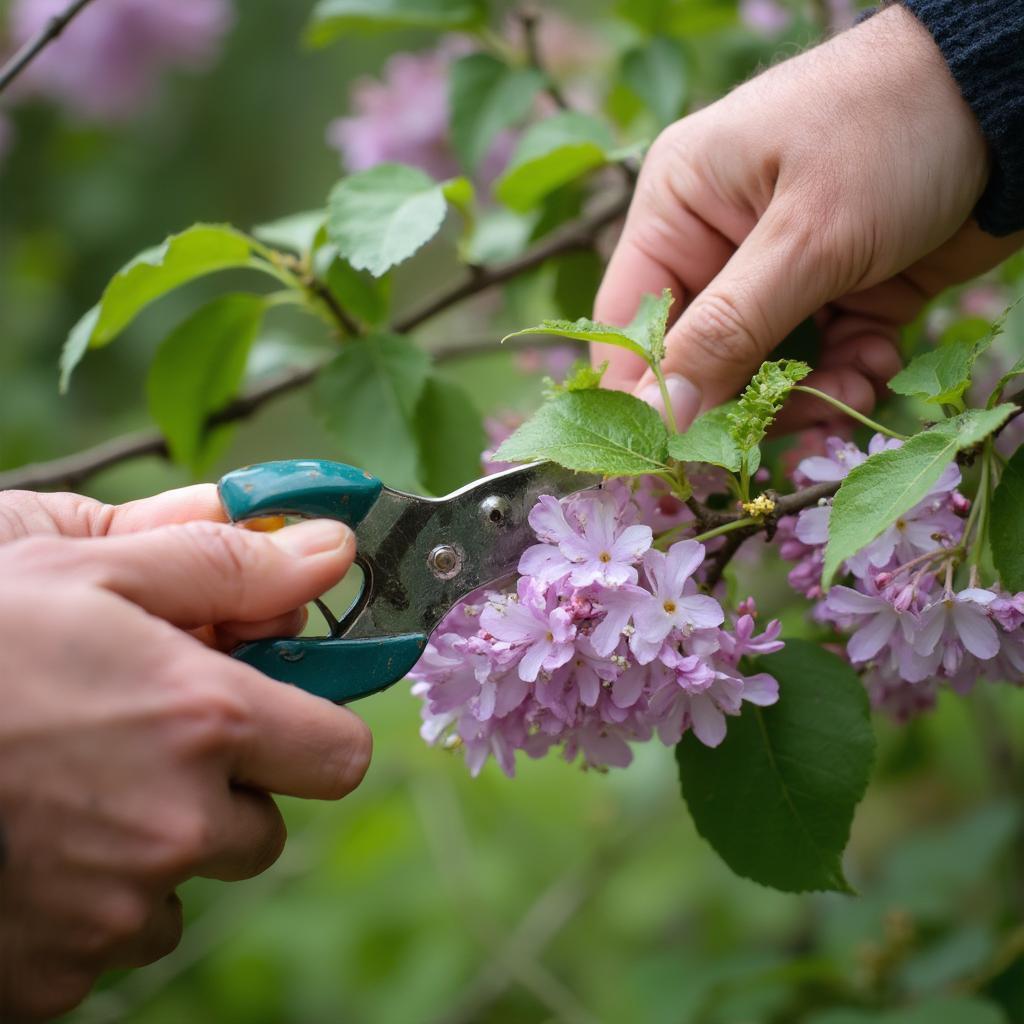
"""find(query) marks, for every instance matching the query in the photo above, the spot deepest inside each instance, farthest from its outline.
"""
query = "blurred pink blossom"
(986, 300)
(765, 16)
(402, 117)
(107, 64)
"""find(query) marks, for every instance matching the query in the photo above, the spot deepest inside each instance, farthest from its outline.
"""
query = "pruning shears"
(419, 557)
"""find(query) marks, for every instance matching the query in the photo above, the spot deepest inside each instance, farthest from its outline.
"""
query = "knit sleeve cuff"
(983, 44)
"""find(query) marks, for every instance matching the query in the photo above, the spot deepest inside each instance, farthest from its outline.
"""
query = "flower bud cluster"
(604, 641)
(909, 627)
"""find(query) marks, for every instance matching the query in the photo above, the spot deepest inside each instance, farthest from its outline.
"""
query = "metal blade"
(421, 556)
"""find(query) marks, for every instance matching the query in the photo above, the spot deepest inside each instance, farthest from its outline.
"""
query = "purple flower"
(533, 626)
(954, 624)
(106, 66)
(594, 548)
(673, 603)
(875, 622)
(561, 662)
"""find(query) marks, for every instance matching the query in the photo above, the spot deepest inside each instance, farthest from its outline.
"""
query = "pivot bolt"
(445, 561)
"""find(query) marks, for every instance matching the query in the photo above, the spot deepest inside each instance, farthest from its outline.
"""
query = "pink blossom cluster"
(910, 627)
(108, 62)
(403, 116)
(604, 641)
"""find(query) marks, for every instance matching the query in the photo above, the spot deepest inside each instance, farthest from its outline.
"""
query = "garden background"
(562, 895)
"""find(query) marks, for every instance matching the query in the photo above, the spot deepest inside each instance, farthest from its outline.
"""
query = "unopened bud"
(961, 505)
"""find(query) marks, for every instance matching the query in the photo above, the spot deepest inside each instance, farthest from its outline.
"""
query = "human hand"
(32, 513)
(837, 184)
(132, 756)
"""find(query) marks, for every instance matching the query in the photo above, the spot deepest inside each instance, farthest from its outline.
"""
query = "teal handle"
(340, 670)
(315, 488)
(337, 668)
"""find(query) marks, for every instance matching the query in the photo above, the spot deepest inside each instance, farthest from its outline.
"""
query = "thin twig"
(785, 505)
(71, 470)
(579, 235)
(13, 67)
(530, 18)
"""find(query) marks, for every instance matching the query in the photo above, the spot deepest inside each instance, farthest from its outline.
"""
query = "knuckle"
(118, 919)
(346, 766)
(178, 846)
(223, 545)
(720, 332)
(203, 716)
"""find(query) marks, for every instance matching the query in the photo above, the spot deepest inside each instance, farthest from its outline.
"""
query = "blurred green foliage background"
(427, 896)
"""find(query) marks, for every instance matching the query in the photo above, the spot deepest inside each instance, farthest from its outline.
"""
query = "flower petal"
(707, 721)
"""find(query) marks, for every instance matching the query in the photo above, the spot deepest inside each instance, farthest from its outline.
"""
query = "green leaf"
(202, 249)
(486, 97)
(941, 1010)
(499, 235)
(762, 399)
(296, 233)
(335, 18)
(1013, 373)
(451, 435)
(368, 397)
(1006, 528)
(940, 377)
(644, 337)
(550, 154)
(777, 798)
(362, 295)
(592, 431)
(880, 490)
(577, 276)
(197, 370)
(709, 440)
(656, 72)
(380, 217)
(581, 377)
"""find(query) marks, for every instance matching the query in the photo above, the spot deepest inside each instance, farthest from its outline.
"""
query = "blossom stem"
(978, 519)
(851, 412)
(670, 413)
(736, 524)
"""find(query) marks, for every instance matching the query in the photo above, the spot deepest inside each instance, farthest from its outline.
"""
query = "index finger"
(663, 245)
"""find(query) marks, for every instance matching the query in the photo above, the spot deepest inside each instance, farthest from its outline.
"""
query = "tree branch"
(69, 471)
(17, 63)
(785, 505)
(582, 234)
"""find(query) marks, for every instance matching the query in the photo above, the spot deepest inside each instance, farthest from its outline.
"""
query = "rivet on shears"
(495, 510)
(445, 561)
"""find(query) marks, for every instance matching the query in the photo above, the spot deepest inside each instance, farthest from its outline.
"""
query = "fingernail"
(684, 395)
(313, 537)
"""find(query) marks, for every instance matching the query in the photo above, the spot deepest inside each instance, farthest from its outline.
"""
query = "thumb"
(198, 573)
(768, 286)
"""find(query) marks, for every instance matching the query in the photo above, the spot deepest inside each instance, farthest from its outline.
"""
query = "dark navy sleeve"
(983, 44)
